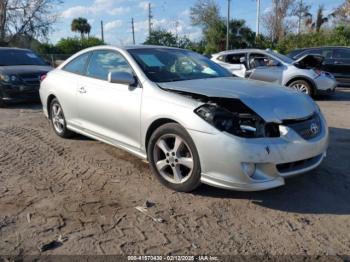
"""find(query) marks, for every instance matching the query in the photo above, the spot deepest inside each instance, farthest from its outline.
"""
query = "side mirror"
(242, 60)
(121, 78)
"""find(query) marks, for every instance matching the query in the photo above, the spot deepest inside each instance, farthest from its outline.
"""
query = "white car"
(302, 74)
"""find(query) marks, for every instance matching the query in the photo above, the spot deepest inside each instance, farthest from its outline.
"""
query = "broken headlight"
(244, 124)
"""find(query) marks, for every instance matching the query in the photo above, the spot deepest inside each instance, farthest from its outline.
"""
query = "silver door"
(109, 110)
(265, 68)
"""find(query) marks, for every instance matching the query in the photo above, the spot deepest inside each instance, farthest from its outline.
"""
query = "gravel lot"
(87, 192)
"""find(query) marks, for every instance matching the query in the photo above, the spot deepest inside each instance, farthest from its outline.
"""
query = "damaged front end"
(309, 62)
(232, 116)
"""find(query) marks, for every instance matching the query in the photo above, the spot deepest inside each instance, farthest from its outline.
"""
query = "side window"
(78, 64)
(235, 59)
(103, 62)
(341, 53)
(260, 60)
(221, 58)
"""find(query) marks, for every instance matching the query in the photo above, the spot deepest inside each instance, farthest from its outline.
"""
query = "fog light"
(248, 168)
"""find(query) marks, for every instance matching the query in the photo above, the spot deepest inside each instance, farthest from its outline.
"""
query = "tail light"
(42, 77)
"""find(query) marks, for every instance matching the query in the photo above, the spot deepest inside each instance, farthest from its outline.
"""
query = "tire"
(2, 103)
(58, 120)
(302, 86)
(178, 165)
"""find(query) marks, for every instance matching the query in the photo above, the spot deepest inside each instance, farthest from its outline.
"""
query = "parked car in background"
(187, 116)
(336, 61)
(20, 73)
(302, 74)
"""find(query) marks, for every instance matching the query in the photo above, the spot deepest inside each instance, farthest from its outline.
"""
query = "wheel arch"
(306, 79)
(49, 100)
(154, 125)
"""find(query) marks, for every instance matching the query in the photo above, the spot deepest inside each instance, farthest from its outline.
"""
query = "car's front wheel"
(58, 120)
(174, 158)
(301, 86)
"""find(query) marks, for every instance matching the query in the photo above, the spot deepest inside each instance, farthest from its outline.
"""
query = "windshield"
(284, 58)
(169, 65)
(10, 57)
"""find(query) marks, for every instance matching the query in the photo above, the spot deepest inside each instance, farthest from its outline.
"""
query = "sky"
(172, 15)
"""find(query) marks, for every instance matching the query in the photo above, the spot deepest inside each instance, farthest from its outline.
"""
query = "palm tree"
(82, 26)
(316, 24)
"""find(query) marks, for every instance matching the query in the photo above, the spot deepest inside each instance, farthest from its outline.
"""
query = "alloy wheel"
(173, 159)
(301, 88)
(57, 118)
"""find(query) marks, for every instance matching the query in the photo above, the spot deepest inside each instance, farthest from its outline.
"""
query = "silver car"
(187, 116)
(301, 75)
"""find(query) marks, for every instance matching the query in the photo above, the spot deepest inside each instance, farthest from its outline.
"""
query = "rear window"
(10, 57)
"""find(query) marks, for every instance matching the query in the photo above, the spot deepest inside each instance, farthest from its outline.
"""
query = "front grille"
(31, 79)
(293, 166)
(307, 128)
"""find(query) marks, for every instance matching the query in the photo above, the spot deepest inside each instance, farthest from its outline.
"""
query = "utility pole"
(102, 34)
(257, 19)
(133, 30)
(228, 24)
(149, 19)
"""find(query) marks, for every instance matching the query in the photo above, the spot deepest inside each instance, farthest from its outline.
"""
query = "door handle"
(82, 90)
(337, 63)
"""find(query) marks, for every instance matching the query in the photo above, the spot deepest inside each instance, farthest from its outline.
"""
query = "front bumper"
(19, 93)
(325, 85)
(221, 156)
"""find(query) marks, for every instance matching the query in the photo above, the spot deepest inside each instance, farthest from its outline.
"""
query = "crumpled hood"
(273, 103)
(24, 69)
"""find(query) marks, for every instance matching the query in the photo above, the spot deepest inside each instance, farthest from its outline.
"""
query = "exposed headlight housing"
(245, 123)
(8, 78)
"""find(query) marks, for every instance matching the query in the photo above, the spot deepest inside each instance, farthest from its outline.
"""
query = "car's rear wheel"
(2, 103)
(174, 158)
(58, 120)
(301, 86)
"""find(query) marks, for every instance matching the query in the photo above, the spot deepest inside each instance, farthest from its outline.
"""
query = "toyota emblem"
(314, 128)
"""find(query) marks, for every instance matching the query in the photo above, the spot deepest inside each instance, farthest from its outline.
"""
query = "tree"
(316, 24)
(32, 18)
(342, 13)
(275, 20)
(301, 11)
(205, 13)
(82, 26)
(73, 45)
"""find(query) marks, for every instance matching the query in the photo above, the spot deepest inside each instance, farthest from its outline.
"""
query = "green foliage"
(165, 38)
(161, 37)
(68, 45)
(72, 45)
(339, 36)
(81, 25)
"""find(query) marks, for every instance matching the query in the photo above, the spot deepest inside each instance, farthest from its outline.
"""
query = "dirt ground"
(86, 192)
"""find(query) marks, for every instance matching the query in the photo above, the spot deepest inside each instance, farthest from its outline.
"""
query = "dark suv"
(337, 61)
(20, 74)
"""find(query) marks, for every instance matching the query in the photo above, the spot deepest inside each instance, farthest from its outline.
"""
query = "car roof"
(13, 48)
(319, 47)
(235, 51)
